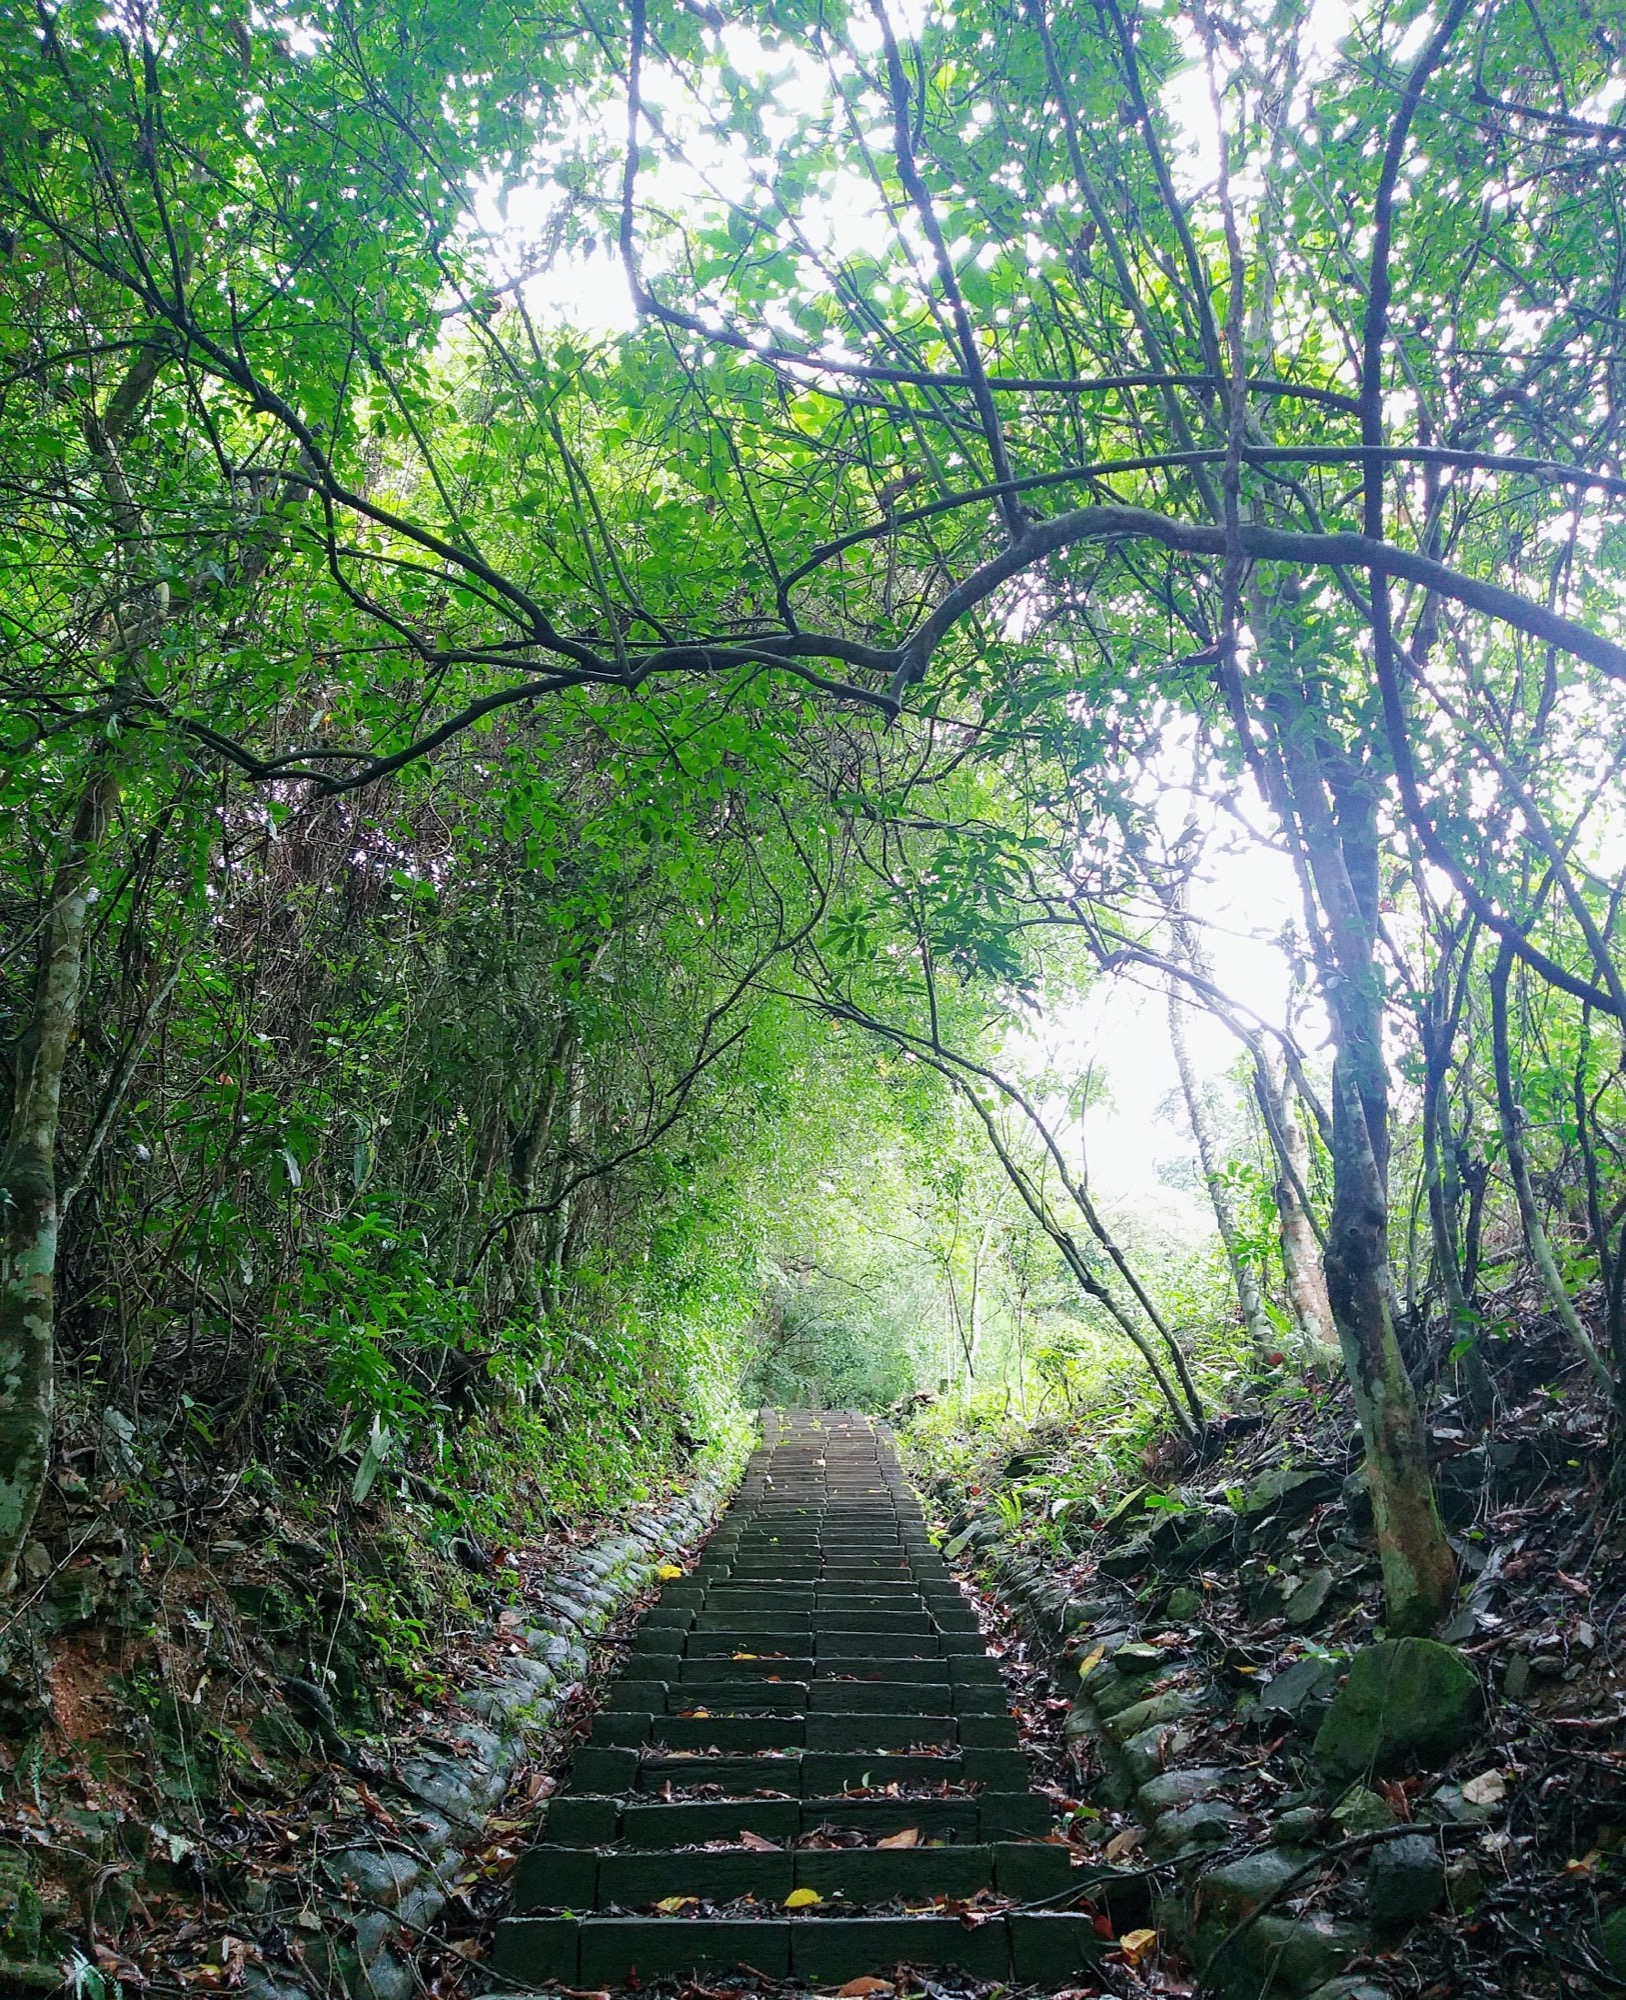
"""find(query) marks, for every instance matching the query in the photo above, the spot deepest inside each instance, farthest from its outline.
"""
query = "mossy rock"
(1612, 1938)
(21, 1913)
(1407, 1702)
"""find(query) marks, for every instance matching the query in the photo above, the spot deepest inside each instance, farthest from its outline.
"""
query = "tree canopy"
(488, 797)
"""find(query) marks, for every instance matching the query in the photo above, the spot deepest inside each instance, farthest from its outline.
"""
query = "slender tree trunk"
(29, 1215)
(1418, 1572)
(1439, 1181)
(1249, 1298)
(1518, 1167)
(1301, 1249)
(1341, 848)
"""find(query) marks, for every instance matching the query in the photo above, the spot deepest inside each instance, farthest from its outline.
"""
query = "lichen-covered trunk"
(1338, 824)
(29, 1212)
(1419, 1574)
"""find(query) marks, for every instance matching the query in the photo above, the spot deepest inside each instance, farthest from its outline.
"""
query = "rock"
(1080, 1723)
(1516, 1681)
(1406, 1702)
(1464, 1884)
(1297, 1828)
(1459, 1486)
(1147, 1753)
(1140, 1662)
(1110, 1694)
(1307, 1603)
(1184, 1605)
(1290, 1490)
(1128, 1510)
(1405, 1881)
(1237, 1888)
(1612, 1940)
(1361, 1811)
(1356, 1493)
(1024, 1464)
(1447, 1802)
(1208, 1823)
(381, 1875)
(387, 1977)
(258, 1984)
(1287, 1955)
(1171, 1707)
(1304, 1688)
(1129, 1558)
(1179, 1788)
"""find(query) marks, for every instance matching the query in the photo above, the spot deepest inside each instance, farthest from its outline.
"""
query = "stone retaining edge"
(373, 1892)
(1059, 1625)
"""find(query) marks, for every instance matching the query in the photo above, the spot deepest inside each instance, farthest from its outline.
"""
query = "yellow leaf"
(1136, 1945)
(803, 1899)
(1090, 1662)
(669, 1572)
(670, 1905)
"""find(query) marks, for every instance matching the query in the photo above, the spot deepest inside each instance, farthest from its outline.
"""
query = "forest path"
(817, 1686)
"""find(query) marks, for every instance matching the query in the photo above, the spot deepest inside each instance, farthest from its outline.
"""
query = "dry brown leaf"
(757, 1842)
(1123, 1843)
(1488, 1789)
(861, 1987)
(908, 1837)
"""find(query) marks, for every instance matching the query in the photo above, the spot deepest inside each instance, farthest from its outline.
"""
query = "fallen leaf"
(1488, 1789)
(1586, 1865)
(803, 1899)
(1136, 1945)
(742, 1656)
(863, 1985)
(909, 1837)
(759, 1843)
(668, 1572)
(1123, 1843)
(670, 1905)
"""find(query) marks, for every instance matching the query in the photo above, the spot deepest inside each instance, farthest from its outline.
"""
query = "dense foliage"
(494, 811)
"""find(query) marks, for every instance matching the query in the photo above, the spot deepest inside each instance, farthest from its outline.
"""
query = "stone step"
(583, 1879)
(1031, 1949)
(817, 1653)
(587, 1819)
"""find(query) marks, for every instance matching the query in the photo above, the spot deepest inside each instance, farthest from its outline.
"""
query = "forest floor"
(172, 1772)
(1255, 1576)
(204, 1692)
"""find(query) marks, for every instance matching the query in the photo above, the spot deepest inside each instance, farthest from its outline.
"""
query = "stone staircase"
(816, 1688)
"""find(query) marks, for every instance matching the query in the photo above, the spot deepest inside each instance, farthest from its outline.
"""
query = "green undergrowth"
(1054, 1465)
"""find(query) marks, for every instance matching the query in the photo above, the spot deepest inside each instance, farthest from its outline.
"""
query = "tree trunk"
(28, 1191)
(1340, 844)
(1418, 1571)
(1301, 1250)
(1249, 1299)
(1518, 1167)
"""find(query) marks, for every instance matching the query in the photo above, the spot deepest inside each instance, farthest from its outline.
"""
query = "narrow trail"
(817, 1686)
